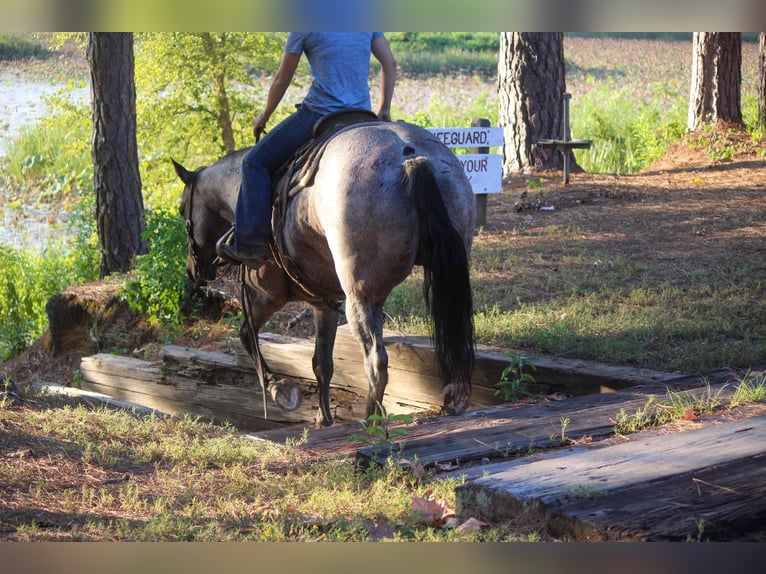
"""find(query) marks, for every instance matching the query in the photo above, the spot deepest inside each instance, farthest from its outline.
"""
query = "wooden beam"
(224, 386)
(628, 491)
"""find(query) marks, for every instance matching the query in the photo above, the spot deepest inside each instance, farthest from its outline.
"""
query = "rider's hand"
(259, 125)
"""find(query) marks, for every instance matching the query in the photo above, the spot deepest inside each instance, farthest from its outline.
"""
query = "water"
(22, 104)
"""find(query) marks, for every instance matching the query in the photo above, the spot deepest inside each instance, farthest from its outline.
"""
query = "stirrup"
(225, 239)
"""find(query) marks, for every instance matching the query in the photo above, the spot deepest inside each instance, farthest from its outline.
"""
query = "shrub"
(156, 287)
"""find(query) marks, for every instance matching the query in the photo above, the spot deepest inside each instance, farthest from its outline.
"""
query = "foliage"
(378, 430)
(420, 53)
(196, 96)
(751, 389)
(16, 47)
(30, 277)
(514, 379)
(408, 42)
(157, 285)
(678, 406)
(50, 161)
(626, 138)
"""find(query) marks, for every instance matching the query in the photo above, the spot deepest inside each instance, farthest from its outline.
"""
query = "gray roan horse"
(384, 196)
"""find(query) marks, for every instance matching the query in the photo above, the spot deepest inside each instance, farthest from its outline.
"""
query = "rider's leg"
(252, 221)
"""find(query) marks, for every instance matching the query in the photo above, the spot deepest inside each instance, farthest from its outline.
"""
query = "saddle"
(299, 171)
(297, 174)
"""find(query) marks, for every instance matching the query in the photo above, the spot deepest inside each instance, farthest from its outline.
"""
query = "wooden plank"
(143, 383)
(497, 432)
(721, 502)
(415, 354)
(502, 431)
(579, 492)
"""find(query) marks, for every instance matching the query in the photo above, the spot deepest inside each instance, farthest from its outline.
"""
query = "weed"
(677, 406)
(751, 389)
(564, 424)
(378, 431)
(513, 378)
(700, 523)
(586, 492)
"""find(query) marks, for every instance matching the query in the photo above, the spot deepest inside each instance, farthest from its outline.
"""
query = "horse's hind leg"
(326, 323)
(366, 320)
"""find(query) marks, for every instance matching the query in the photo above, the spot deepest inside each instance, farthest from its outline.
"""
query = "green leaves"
(27, 280)
(378, 430)
(513, 378)
(157, 286)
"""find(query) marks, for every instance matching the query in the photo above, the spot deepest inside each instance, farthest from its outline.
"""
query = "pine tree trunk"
(116, 179)
(531, 87)
(762, 82)
(716, 79)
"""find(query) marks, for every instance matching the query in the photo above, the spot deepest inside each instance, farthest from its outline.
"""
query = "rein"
(190, 237)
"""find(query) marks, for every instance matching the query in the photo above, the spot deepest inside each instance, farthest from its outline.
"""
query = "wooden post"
(481, 198)
(566, 144)
(566, 137)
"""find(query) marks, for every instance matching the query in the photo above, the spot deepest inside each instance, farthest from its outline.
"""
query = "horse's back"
(362, 170)
(365, 209)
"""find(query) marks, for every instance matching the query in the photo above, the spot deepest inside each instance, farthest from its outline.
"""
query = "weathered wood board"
(145, 384)
(223, 386)
(507, 430)
(706, 483)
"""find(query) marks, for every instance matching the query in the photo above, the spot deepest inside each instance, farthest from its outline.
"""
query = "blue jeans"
(252, 219)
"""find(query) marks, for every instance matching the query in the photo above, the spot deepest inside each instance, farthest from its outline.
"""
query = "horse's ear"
(186, 176)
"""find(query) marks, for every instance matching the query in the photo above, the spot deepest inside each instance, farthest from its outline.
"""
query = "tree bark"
(762, 82)
(531, 87)
(716, 79)
(116, 179)
(223, 116)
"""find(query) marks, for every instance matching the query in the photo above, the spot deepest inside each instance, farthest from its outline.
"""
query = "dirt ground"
(683, 199)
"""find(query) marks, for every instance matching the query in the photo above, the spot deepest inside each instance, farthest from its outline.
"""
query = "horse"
(380, 198)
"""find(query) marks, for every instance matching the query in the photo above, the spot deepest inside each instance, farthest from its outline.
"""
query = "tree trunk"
(531, 87)
(222, 104)
(716, 79)
(762, 82)
(116, 180)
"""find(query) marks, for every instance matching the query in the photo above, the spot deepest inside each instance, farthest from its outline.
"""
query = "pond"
(22, 103)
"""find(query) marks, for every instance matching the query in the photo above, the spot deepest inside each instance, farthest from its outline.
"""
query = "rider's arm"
(279, 85)
(382, 52)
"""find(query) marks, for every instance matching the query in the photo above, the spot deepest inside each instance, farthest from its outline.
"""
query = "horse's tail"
(446, 285)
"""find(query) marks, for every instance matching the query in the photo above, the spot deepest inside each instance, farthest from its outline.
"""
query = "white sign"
(484, 171)
(469, 137)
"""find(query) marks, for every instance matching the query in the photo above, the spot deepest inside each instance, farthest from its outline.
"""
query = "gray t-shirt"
(340, 65)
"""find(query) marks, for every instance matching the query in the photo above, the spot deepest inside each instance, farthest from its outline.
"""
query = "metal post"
(565, 136)
(480, 199)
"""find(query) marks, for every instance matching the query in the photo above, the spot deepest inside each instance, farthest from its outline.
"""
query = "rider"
(340, 64)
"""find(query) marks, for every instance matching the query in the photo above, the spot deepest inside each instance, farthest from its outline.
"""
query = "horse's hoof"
(286, 394)
(455, 401)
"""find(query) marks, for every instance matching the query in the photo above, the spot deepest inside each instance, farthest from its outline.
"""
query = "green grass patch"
(684, 405)
(566, 298)
(28, 278)
(18, 47)
(125, 476)
(50, 161)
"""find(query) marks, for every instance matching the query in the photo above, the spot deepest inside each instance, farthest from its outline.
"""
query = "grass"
(19, 47)
(73, 471)
(581, 292)
(126, 476)
(679, 405)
